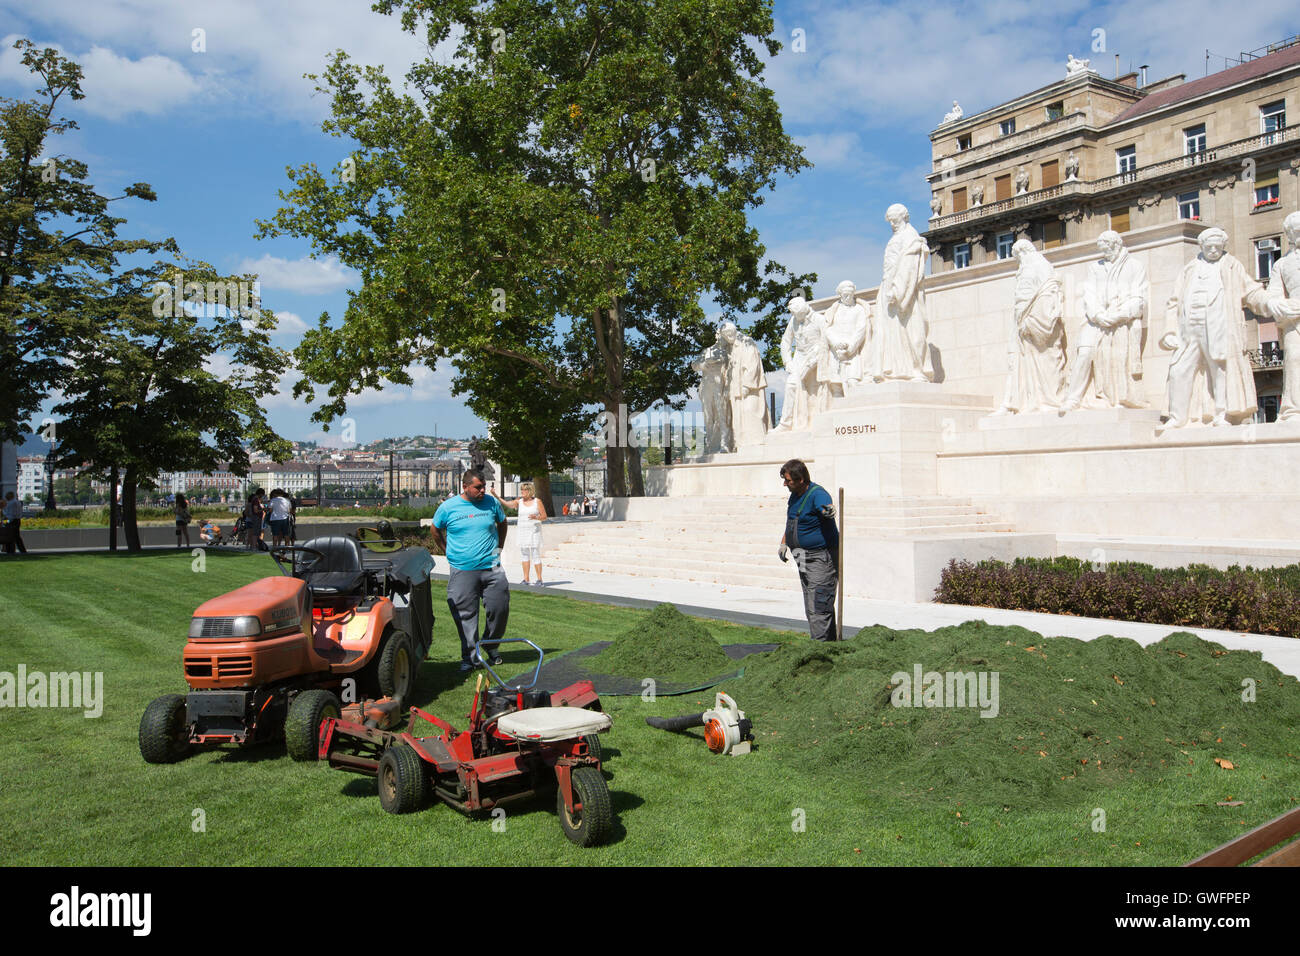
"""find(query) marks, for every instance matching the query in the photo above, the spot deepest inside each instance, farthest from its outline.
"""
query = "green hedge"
(1260, 601)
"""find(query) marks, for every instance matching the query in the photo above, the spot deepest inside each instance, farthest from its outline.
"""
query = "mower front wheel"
(593, 824)
(403, 786)
(302, 725)
(398, 667)
(164, 736)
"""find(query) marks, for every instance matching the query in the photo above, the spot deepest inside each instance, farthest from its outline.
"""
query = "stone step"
(789, 581)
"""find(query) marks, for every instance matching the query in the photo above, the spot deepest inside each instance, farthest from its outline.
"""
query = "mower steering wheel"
(287, 549)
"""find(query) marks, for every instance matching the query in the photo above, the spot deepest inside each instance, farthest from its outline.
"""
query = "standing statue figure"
(848, 327)
(1115, 293)
(477, 459)
(1285, 287)
(1071, 167)
(1207, 332)
(803, 352)
(1037, 341)
(712, 366)
(900, 349)
(1022, 180)
(746, 386)
(953, 114)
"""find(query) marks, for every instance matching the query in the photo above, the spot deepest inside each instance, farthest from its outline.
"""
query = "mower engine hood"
(278, 604)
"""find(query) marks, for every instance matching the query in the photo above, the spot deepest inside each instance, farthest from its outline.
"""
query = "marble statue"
(803, 352)
(977, 194)
(746, 386)
(1284, 287)
(712, 366)
(1073, 67)
(953, 114)
(936, 206)
(1109, 350)
(1036, 380)
(1022, 180)
(848, 327)
(1207, 333)
(1071, 167)
(900, 349)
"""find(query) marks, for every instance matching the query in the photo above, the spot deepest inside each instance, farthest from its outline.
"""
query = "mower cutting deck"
(520, 743)
(268, 659)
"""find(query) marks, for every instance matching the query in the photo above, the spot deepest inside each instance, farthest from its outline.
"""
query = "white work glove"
(782, 553)
(828, 511)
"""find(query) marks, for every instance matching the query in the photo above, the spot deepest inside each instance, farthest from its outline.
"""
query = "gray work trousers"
(820, 581)
(464, 591)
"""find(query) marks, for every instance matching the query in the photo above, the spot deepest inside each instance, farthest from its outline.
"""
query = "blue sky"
(212, 130)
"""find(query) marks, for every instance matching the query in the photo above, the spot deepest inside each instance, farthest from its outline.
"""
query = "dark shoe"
(496, 660)
(466, 666)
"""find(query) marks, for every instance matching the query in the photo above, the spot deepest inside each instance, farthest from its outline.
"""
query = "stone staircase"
(734, 540)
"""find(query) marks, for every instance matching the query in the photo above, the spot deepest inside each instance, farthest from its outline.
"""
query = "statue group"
(1205, 329)
(733, 391)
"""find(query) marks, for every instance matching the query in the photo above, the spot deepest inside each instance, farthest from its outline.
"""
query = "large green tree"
(560, 193)
(57, 238)
(170, 381)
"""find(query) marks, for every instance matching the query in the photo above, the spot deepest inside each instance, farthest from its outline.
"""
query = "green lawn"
(75, 791)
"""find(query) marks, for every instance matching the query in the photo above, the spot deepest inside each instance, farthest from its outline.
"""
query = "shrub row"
(1261, 601)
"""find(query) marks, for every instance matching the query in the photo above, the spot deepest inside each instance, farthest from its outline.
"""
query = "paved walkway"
(764, 607)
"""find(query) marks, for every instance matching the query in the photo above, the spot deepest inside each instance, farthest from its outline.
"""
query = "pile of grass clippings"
(666, 645)
(1072, 717)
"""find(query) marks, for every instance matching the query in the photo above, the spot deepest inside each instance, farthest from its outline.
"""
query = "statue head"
(727, 333)
(1213, 241)
(1291, 226)
(1111, 245)
(1022, 248)
(897, 215)
(799, 306)
(846, 290)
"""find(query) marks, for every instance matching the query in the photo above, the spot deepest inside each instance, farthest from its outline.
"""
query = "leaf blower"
(726, 729)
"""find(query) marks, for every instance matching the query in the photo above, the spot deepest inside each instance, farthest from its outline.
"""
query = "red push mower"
(520, 743)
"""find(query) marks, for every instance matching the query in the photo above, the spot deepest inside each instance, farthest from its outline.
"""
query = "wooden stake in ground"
(839, 575)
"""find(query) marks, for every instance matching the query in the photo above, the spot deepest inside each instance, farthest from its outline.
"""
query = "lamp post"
(51, 463)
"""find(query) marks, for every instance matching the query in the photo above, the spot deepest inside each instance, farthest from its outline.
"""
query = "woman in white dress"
(529, 528)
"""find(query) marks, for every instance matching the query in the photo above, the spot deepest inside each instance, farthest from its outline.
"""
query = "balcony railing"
(1079, 187)
(1015, 141)
(1268, 355)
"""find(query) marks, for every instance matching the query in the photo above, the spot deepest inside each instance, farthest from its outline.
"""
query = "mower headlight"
(248, 625)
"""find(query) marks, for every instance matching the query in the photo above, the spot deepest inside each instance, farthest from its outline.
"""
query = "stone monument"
(953, 114)
(1109, 350)
(715, 398)
(1284, 286)
(746, 386)
(900, 349)
(848, 326)
(805, 355)
(1036, 380)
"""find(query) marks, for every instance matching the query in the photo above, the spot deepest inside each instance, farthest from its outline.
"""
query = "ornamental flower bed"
(1259, 601)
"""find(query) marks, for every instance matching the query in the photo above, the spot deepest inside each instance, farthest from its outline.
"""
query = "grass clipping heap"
(666, 645)
(1072, 717)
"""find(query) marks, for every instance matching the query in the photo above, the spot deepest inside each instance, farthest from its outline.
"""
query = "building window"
(1267, 252)
(1189, 205)
(1126, 160)
(959, 199)
(1055, 111)
(1194, 140)
(1051, 174)
(1266, 190)
(1268, 408)
(963, 142)
(1005, 241)
(1007, 127)
(961, 255)
(1119, 219)
(1272, 118)
(1002, 187)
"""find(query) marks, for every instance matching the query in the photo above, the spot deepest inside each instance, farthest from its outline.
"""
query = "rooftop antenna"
(1143, 68)
(1117, 66)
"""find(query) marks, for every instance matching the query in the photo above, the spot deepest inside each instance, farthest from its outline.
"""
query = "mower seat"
(339, 572)
(546, 724)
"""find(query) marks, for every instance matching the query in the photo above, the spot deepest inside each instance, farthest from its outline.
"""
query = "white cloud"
(306, 276)
(833, 258)
(115, 86)
(289, 323)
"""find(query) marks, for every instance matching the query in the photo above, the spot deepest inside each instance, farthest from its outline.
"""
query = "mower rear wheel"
(302, 725)
(592, 825)
(403, 786)
(397, 667)
(164, 736)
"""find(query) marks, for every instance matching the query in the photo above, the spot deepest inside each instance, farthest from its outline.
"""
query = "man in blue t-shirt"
(471, 528)
(811, 533)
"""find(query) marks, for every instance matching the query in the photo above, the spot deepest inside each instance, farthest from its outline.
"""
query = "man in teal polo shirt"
(811, 532)
(471, 528)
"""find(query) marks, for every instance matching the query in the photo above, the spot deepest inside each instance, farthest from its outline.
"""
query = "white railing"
(1014, 141)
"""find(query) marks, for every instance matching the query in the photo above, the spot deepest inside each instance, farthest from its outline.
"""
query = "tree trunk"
(635, 478)
(542, 490)
(129, 527)
(112, 509)
(615, 445)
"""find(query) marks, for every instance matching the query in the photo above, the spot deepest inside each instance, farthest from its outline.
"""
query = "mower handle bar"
(475, 655)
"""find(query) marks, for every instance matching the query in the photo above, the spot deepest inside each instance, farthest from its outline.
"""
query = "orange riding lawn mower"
(350, 616)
